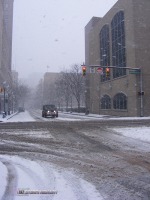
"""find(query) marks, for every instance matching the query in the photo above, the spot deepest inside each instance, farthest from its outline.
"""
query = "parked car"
(49, 111)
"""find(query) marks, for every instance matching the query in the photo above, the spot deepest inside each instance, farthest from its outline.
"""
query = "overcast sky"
(48, 35)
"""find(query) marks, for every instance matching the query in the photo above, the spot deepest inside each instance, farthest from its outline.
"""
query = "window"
(118, 44)
(104, 50)
(105, 102)
(120, 101)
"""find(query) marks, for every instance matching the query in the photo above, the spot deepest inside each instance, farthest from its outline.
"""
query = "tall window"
(120, 101)
(118, 44)
(104, 50)
(105, 102)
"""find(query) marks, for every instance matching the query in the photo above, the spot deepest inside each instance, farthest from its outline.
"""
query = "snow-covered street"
(141, 133)
(32, 180)
(73, 158)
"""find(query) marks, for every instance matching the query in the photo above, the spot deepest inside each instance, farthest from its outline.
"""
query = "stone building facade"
(6, 24)
(120, 41)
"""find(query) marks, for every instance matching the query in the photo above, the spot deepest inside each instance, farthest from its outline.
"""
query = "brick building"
(120, 40)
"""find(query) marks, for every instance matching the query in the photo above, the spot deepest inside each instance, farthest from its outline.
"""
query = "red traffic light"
(107, 69)
(1, 89)
(107, 72)
(84, 70)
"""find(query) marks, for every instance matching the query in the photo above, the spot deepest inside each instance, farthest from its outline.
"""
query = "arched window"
(120, 101)
(104, 50)
(105, 102)
(118, 44)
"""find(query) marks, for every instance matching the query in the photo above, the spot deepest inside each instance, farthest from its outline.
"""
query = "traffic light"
(141, 93)
(107, 72)
(84, 70)
(1, 90)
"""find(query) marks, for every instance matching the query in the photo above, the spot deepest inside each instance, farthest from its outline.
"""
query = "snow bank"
(141, 133)
(3, 177)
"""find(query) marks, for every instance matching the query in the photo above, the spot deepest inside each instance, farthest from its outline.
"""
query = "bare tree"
(77, 83)
(22, 93)
(73, 85)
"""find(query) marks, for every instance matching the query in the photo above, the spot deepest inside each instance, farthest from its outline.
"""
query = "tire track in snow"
(38, 181)
(70, 186)
(45, 177)
(16, 172)
(82, 189)
(12, 180)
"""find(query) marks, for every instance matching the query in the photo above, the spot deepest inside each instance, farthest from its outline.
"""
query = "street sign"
(100, 70)
(134, 71)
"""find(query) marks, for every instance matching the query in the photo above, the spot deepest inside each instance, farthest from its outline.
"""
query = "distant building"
(14, 77)
(121, 39)
(49, 85)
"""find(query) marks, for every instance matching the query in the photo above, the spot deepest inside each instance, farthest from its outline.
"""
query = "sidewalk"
(89, 115)
(107, 116)
(7, 117)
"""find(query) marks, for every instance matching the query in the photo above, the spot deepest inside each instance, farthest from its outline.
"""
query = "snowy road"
(27, 179)
(77, 159)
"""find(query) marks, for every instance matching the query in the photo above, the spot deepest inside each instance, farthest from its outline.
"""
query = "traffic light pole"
(135, 71)
(4, 100)
(141, 90)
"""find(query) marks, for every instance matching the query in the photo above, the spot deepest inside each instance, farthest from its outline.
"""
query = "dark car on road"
(21, 109)
(49, 111)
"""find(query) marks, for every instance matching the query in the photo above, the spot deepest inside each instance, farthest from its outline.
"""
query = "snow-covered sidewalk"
(90, 115)
(141, 133)
(7, 117)
(17, 117)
